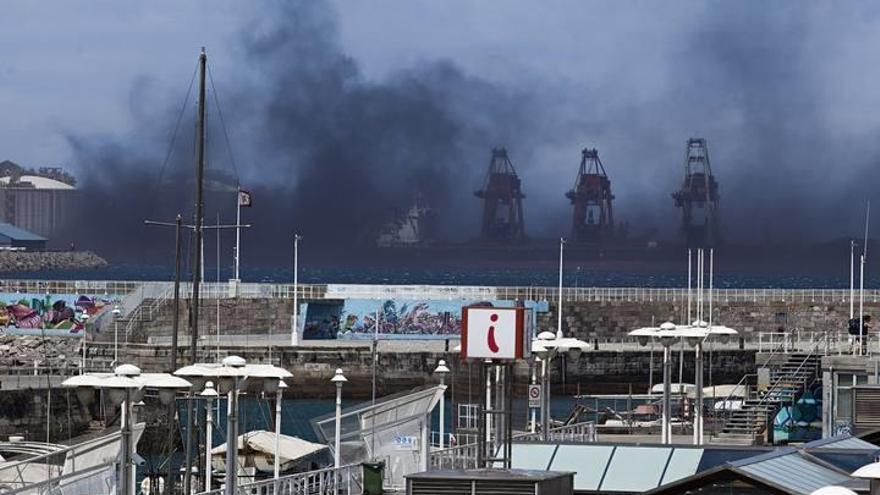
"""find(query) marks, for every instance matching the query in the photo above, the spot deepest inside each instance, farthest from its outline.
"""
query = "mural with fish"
(398, 318)
(51, 314)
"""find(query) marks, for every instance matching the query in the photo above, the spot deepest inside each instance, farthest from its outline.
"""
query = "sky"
(784, 92)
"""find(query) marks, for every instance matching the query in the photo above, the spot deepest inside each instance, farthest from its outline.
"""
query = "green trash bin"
(373, 477)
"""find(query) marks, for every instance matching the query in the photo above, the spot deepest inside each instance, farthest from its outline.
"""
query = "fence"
(465, 456)
(379, 291)
(345, 480)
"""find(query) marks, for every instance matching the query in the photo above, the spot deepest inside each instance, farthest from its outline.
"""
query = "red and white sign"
(493, 333)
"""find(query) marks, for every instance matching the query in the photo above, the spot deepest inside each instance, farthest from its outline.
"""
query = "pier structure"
(698, 197)
(591, 199)
(502, 196)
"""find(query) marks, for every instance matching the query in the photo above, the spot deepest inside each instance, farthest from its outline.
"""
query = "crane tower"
(592, 215)
(502, 201)
(698, 197)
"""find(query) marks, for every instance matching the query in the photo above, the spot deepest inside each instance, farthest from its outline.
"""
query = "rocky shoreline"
(13, 261)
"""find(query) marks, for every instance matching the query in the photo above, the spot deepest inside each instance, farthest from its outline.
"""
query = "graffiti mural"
(398, 319)
(802, 421)
(53, 313)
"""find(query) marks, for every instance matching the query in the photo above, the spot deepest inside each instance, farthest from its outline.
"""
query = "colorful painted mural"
(398, 319)
(802, 421)
(56, 313)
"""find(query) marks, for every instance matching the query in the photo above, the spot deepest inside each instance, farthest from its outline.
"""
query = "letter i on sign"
(493, 346)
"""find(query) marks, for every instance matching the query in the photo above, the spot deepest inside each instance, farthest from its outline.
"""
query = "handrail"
(773, 389)
(344, 480)
(743, 380)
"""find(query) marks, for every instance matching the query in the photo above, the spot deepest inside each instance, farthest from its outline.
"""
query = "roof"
(789, 469)
(841, 442)
(290, 448)
(39, 182)
(491, 474)
(607, 468)
(17, 233)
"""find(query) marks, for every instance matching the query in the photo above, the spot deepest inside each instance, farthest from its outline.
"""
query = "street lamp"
(116, 313)
(85, 320)
(294, 332)
(230, 376)
(125, 387)
(559, 316)
(209, 394)
(279, 397)
(547, 346)
(442, 370)
(703, 331)
(339, 379)
(667, 335)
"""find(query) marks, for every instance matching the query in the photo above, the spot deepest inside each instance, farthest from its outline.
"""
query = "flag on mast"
(244, 198)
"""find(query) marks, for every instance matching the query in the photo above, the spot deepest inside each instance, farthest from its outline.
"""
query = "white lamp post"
(547, 346)
(209, 394)
(229, 376)
(559, 315)
(294, 334)
(338, 379)
(85, 320)
(442, 370)
(125, 386)
(279, 397)
(116, 313)
(667, 335)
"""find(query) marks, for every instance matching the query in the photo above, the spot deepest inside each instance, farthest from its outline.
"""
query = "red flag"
(244, 198)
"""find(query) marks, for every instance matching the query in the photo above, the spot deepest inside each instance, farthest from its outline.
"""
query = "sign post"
(535, 396)
(497, 337)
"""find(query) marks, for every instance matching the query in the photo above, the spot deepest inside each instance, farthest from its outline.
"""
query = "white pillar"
(533, 412)
(862, 344)
(488, 417)
(294, 332)
(125, 427)
(690, 267)
(232, 439)
(559, 309)
(443, 410)
(279, 395)
(852, 291)
(115, 341)
(665, 437)
(209, 430)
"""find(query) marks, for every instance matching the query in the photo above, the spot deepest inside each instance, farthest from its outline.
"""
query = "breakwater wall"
(33, 261)
(590, 320)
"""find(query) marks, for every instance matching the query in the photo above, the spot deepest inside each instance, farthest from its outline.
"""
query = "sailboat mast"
(199, 207)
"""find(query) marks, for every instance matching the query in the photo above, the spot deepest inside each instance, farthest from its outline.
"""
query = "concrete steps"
(747, 425)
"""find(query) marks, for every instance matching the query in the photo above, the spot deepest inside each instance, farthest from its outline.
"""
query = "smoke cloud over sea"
(329, 147)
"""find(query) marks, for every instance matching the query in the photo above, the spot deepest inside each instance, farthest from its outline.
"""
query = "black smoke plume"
(330, 154)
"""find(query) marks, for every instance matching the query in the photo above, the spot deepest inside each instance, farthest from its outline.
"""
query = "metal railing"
(378, 291)
(345, 480)
(576, 432)
(465, 456)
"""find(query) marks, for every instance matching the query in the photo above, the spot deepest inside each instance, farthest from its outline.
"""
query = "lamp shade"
(270, 385)
(166, 395)
(441, 367)
(86, 395)
(338, 378)
(117, 396)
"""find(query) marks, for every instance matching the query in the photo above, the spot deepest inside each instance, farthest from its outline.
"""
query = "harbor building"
(38, 201)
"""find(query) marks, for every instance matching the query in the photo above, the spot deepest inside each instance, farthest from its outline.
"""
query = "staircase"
(748, 425)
